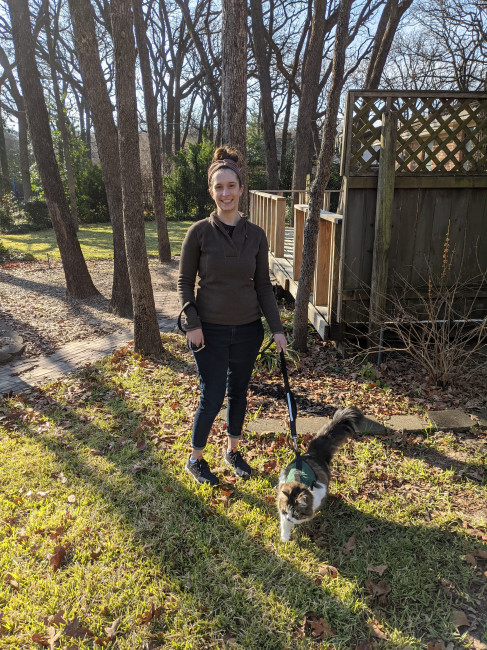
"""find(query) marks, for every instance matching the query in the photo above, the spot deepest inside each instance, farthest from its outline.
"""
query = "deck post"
(280, 226)
(383, 222)
(322, 264)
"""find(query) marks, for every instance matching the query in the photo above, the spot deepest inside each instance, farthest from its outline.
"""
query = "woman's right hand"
(195, 337)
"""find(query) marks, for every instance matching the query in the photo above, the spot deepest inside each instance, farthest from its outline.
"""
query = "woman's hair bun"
(225, 153)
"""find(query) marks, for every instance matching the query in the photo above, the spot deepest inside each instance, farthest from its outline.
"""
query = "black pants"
(225, 364)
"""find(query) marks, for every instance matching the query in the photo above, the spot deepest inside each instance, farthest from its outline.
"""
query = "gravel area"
(33, 302)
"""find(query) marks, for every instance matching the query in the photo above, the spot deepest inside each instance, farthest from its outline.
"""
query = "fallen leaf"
(10, 580)
(141, 444)
(435, 646)
(377, 569)
(37, 638)
(227, 492)
(377, 629)
(350, 546)
(377, 589)
(75, 630)
(154, 612)
(53, 635)
(328, 570)
(111, 630)
(58, 557)
(481, 554)
(369, 529)
(460, 618)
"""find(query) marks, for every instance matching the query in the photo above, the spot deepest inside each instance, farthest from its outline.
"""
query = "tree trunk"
(309, 97)
(234, 84)
(5, 185)
(83, 20)
(386, 30)
(147, 338)
(284, 136)
(263, 69)
(164, 247)
(61, 118)
(78, 281)
(24, 152)
(22, 120)
(322, 177)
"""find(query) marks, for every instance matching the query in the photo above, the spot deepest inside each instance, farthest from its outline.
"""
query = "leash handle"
(291, 403)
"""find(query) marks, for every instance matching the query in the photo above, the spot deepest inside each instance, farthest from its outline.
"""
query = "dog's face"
(295, 502)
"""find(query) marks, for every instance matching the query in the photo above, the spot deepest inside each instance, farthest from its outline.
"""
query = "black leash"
(291, 405)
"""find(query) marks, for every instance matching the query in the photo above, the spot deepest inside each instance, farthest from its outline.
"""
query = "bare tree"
(164, 247)
(392, 13)
(147, 338)
(95, 89)
(321, 180)
(234, 82)
(309, 95)
(263, 67)
(60, 109)
(78, 280)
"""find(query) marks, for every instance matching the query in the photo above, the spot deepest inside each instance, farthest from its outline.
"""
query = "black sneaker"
(240, 467)
(201, 472)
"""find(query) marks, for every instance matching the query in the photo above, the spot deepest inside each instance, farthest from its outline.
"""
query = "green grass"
(95, 464)
(95, 239)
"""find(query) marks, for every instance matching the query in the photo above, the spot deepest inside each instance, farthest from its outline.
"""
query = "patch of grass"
(95, 240)
(94, 465)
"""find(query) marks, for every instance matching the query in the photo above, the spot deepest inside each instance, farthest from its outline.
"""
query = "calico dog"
(303, 484)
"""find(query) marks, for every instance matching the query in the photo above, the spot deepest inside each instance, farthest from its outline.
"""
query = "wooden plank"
(419, 93)
(299, 221)
(422, 236)
(383, 220)
(403, 235)
(336, 237)
(280, 226)
(431, 180)
(322, 264)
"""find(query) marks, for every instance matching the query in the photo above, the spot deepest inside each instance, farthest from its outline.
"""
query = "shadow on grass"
(245, 585)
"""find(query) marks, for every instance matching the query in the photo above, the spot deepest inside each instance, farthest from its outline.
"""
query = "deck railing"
(325, 281)
(269, 212)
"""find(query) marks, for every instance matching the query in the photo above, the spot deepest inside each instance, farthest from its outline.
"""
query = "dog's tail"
(335, 434)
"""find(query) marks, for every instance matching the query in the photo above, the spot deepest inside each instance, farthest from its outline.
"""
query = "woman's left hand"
(281, 341)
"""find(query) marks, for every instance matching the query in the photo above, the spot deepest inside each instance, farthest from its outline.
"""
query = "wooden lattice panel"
(436, 134)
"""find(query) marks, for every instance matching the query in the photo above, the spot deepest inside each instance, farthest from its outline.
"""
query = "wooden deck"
(282, 270)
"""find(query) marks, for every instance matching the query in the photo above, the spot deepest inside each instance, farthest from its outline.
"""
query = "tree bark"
(164, 247)
(322, 177)
(263, 68)
(22, 120)
(309, 97)
(5, 185)
(96, 93)
(61, 118)
(234, 84)
(147, 338)
(78, 280)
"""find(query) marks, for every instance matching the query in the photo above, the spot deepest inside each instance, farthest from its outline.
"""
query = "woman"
(223, 325)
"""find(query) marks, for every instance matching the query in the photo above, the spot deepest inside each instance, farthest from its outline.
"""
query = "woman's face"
(225, 190)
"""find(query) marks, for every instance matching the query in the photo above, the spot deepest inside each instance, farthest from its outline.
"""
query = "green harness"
(300, 471)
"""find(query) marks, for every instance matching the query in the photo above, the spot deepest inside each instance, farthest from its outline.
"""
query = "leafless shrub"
(440, 324)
